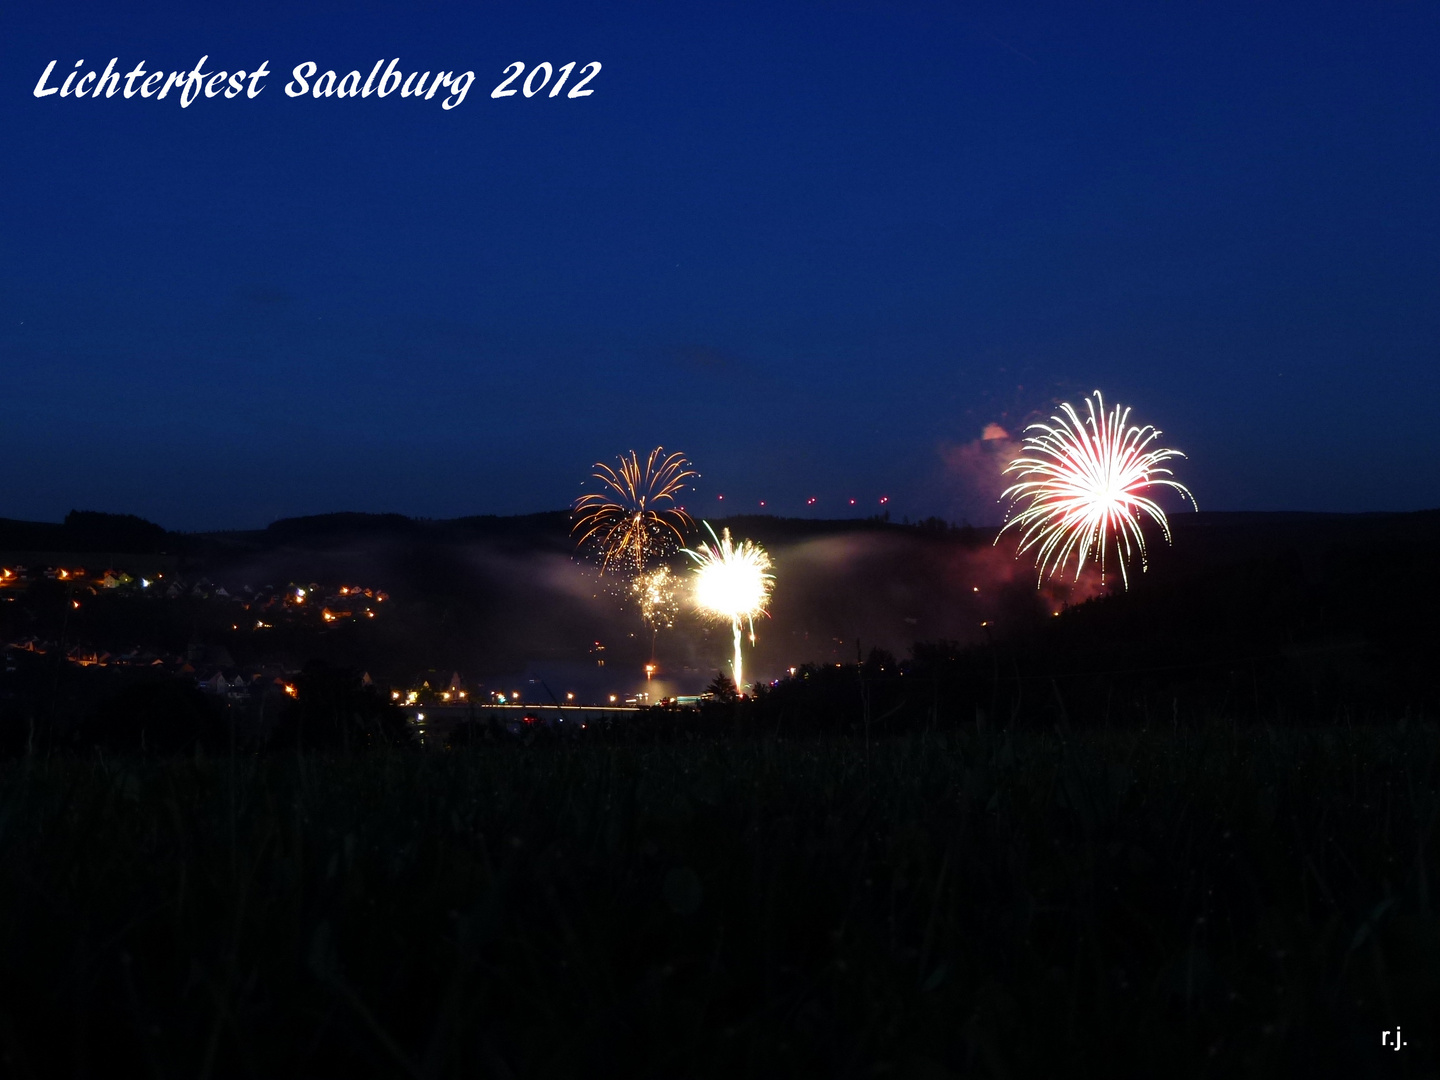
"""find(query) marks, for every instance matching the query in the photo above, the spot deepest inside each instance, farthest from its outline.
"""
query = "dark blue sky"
(818, 247)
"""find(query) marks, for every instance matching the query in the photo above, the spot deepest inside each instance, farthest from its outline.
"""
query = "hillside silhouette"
(1321, 611)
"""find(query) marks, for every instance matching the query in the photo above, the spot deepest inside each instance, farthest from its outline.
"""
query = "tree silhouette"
(722, 687)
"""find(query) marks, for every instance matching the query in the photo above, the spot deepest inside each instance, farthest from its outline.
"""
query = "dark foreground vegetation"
(1228, 900)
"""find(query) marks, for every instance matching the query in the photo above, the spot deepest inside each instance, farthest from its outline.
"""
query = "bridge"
(435, 722)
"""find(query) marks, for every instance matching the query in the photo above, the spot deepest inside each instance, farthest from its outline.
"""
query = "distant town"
(428, 699)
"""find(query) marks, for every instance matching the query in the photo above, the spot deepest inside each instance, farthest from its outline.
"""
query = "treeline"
(89, 531)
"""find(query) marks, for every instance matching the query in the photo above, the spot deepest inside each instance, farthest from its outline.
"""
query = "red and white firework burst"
(1081, 489)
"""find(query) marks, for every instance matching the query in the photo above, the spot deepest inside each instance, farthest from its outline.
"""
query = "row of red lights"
(884, 499)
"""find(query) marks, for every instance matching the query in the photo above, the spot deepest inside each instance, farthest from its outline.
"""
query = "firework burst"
(1081, 489)
(656, 593)
(635, 515)
(732, 583)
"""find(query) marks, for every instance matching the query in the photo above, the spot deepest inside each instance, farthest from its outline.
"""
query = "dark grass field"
(1220, 901)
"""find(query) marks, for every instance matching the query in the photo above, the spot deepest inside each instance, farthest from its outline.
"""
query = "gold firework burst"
(635, 515)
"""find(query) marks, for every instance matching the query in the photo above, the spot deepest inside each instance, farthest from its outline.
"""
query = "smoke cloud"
(976, 470)
(502, 608)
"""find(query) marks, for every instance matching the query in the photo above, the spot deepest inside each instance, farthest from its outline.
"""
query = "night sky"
(817, 247)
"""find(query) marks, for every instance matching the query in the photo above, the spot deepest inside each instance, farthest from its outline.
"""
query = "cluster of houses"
(342, 603)
(345, 603)
(293, 602)
(20, 575)
(210, 668)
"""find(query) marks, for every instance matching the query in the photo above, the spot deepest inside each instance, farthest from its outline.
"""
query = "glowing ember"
(1081, 484)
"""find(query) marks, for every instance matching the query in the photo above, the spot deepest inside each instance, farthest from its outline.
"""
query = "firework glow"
(732, 583)
(634, 516)
(656, 592)
(1080, 489)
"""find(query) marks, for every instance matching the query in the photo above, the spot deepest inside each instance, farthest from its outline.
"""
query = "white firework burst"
(732, 584)
(1081, 486)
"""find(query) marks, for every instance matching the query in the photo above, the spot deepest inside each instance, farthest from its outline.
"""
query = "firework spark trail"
(1081, 484)
(636, 514)
(732, 582)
